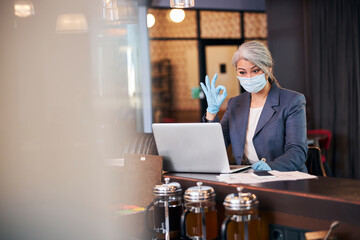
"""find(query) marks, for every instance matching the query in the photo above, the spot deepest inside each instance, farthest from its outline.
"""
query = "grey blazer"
(280, 136)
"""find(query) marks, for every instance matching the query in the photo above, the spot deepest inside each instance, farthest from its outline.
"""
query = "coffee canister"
(167, 210)
(199, 219)
(242, 217)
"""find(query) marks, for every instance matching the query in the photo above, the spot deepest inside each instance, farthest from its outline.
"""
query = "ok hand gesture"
(213, 97)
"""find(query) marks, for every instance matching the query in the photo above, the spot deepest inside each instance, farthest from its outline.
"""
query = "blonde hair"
(257, 53)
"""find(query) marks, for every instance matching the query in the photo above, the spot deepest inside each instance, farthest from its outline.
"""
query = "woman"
(266, 125)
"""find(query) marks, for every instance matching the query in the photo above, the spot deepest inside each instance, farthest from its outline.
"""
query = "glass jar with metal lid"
(199, 219)
(242, 216)
(167, 210)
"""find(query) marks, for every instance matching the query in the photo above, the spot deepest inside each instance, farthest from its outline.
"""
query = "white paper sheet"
(249, 177)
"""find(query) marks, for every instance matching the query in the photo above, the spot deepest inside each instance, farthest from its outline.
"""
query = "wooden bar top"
(337, 189)
(306, 204)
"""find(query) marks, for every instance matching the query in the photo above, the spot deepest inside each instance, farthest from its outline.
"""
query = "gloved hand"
(213, 98)
(260, 165)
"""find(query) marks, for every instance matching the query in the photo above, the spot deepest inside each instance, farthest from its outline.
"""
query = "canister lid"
(241, 201)
(167, 188)
(199, 193)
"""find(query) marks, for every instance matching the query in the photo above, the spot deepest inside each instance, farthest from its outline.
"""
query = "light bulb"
(177, 15)
(150, 20)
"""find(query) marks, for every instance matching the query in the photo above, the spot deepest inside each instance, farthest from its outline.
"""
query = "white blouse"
(250, 155)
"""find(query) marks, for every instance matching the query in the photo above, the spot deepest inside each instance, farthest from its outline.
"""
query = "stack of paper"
(248, 178)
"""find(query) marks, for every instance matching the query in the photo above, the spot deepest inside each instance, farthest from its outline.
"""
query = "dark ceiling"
(240, 5)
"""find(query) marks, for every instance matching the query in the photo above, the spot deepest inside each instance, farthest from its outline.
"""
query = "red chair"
(321, 138)
(314, 163)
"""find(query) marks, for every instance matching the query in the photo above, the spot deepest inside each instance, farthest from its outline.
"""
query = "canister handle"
(224, 227)
(183, 223)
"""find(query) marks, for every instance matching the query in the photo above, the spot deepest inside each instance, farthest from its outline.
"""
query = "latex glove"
(213, 98)
(260, 165)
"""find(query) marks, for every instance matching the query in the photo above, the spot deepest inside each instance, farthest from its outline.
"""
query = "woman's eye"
(242, 73)
(256, 70)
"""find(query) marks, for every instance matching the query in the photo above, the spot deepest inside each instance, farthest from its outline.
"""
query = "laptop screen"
(191, 147)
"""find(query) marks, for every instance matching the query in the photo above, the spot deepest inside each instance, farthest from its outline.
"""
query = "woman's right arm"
(210, 116)
(225, 125)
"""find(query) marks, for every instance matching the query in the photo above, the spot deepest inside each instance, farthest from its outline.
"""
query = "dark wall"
(316, 48)
(286, 42)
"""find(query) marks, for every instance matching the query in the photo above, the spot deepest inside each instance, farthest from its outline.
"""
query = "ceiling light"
(182, 3)
(109, 11)
(24, 8)
(150, 20)
(71, 23)
(177, 15)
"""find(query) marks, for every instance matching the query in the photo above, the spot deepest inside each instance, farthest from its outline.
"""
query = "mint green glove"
(261, 165)
(213, 98)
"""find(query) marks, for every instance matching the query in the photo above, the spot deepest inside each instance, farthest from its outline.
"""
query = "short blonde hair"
(257, 53)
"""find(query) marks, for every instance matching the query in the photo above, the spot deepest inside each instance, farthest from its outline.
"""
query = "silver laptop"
(193, 147)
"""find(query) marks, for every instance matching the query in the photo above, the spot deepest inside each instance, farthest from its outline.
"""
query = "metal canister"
(199, 219)
(242, 217)
(167, 210)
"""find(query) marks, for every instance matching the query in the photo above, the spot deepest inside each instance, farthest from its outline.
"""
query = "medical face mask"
(254, 84)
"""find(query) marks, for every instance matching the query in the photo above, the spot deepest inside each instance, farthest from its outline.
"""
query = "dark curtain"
(332, 53)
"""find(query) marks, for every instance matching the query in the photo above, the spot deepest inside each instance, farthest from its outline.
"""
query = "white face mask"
(254, 84)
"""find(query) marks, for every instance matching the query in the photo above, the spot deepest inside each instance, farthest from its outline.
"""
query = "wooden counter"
(308, 205)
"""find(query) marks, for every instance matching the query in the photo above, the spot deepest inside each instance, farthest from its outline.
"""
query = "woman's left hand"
(260, 165)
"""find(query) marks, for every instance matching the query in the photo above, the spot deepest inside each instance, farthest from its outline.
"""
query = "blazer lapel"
(268, 110)
(242, 118)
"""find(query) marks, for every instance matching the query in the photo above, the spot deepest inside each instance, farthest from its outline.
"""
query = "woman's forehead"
(245, 64)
